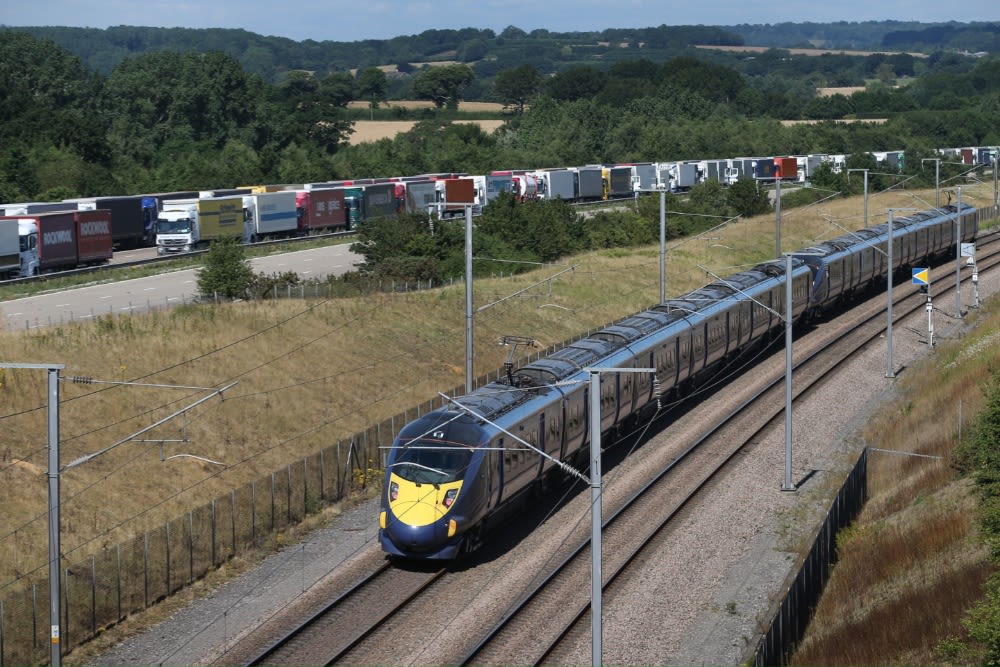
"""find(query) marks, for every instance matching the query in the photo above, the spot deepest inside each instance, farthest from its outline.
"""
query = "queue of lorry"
(39, 237)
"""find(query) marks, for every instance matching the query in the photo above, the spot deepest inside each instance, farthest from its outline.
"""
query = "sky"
(342, 21)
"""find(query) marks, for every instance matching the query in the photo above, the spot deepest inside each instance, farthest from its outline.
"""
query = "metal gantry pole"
(889, 371)
(468, 300)
(55, 590)
(787, 485)
(996, 192)
(958, 255)
(663, 246)
(595, 504)
(777, 218)
(866, 199)
(595, 517)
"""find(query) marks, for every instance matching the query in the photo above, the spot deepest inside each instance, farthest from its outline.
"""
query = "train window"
(430, 462)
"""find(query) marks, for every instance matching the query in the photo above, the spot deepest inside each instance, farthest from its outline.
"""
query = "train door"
(698, 348)
(664, 360)
(643, 384)
(626, 396)
(539, 442)
(610, 391)
(500, 461)
(554, 442)
(715, 339)
(684, 363)
(489, 475)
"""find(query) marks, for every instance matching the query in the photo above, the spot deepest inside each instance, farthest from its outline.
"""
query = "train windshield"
(430, 462)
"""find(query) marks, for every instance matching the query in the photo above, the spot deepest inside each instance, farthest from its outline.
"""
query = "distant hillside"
(874, 35)
(272, 57)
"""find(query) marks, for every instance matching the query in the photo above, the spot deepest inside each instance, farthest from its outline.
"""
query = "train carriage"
(451, 471)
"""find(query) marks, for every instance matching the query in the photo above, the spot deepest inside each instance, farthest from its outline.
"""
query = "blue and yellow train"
(451, 471)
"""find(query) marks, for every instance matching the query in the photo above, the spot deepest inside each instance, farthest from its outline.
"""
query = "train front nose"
(418, 539)
(417, 519)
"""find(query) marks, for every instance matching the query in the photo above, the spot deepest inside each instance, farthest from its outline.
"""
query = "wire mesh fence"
(104, 588)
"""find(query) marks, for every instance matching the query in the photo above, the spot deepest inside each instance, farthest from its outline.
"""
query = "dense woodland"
(167, 120)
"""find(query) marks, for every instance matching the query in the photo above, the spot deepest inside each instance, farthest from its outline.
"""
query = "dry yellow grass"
(841, 90)
(426, 104)
(310, 373)
(372, 130)
(366, 131)
(911, 565)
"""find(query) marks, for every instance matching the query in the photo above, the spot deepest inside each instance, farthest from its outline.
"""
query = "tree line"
(168, 120)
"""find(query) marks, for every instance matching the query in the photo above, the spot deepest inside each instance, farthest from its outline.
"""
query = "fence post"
(64, 635)
(93, 596)
(145, 570)
(340, 487)
(213, 533)
(288, 493)
(190, 547)
(166, 530)
(118, 578)
(34, 616)
(272, 502)
(253, 512)
(322, 479)
(232, 518)
(305, 486)
(1, 634)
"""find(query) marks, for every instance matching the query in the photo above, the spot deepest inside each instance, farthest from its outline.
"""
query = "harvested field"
(373, 130)
(877, 121)
(802, 52)
(846, 91)
(427, 104)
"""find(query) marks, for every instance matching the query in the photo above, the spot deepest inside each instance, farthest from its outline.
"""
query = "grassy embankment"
(912, 564)
(309, 372)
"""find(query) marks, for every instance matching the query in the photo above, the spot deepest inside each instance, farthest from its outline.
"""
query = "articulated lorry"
(54, 241)
(271, 215)
(320, 209)
(186, 224)
(133, 218)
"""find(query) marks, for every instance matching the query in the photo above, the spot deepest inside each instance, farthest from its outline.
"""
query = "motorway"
(161, 291)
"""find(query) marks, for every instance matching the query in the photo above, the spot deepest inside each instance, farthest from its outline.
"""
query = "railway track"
(646, 517)
(555, 612)
(324, 637)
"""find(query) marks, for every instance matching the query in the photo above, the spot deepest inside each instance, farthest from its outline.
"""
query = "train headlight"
(393, 491)
(381, 520)
(449, 497)
(452, 527)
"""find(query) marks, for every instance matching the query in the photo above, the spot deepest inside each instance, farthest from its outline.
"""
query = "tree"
(314, 110)
(748, 197)
(577, 83)
(227, 272)
(372, 86)
(516, 86)
(443, 85)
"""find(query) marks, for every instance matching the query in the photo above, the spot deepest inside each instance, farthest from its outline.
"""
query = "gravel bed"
(703, 597)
